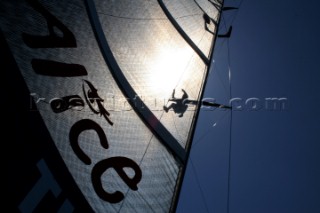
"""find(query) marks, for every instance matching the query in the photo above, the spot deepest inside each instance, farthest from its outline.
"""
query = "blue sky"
(274, 52)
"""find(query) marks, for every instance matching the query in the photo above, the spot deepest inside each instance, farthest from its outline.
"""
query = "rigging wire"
(231, 117)
(230, 136)
(199, 186)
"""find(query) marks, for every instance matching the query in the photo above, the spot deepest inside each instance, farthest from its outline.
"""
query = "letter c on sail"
(76, 129)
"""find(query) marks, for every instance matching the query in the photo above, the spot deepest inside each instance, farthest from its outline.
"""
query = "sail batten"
(183, 34)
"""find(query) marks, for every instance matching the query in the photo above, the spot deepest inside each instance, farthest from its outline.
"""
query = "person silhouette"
(179, 105)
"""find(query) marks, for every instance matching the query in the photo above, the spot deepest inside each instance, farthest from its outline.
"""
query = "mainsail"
(104, 99)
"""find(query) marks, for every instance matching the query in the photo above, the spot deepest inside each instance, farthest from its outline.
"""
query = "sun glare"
(167, 68)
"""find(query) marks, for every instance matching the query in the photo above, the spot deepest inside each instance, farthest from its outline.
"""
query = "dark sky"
(274, 52)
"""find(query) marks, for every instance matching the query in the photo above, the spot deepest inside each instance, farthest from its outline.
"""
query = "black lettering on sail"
(52, 40)
(77, 129)
(47, 67)
(118, 164)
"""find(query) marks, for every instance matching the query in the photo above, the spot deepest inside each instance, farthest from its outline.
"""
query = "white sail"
(111, 90)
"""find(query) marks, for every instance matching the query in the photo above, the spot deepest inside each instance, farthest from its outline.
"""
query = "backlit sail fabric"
(106, 97)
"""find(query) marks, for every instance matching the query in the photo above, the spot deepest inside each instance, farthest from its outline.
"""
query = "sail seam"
(146, 19)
